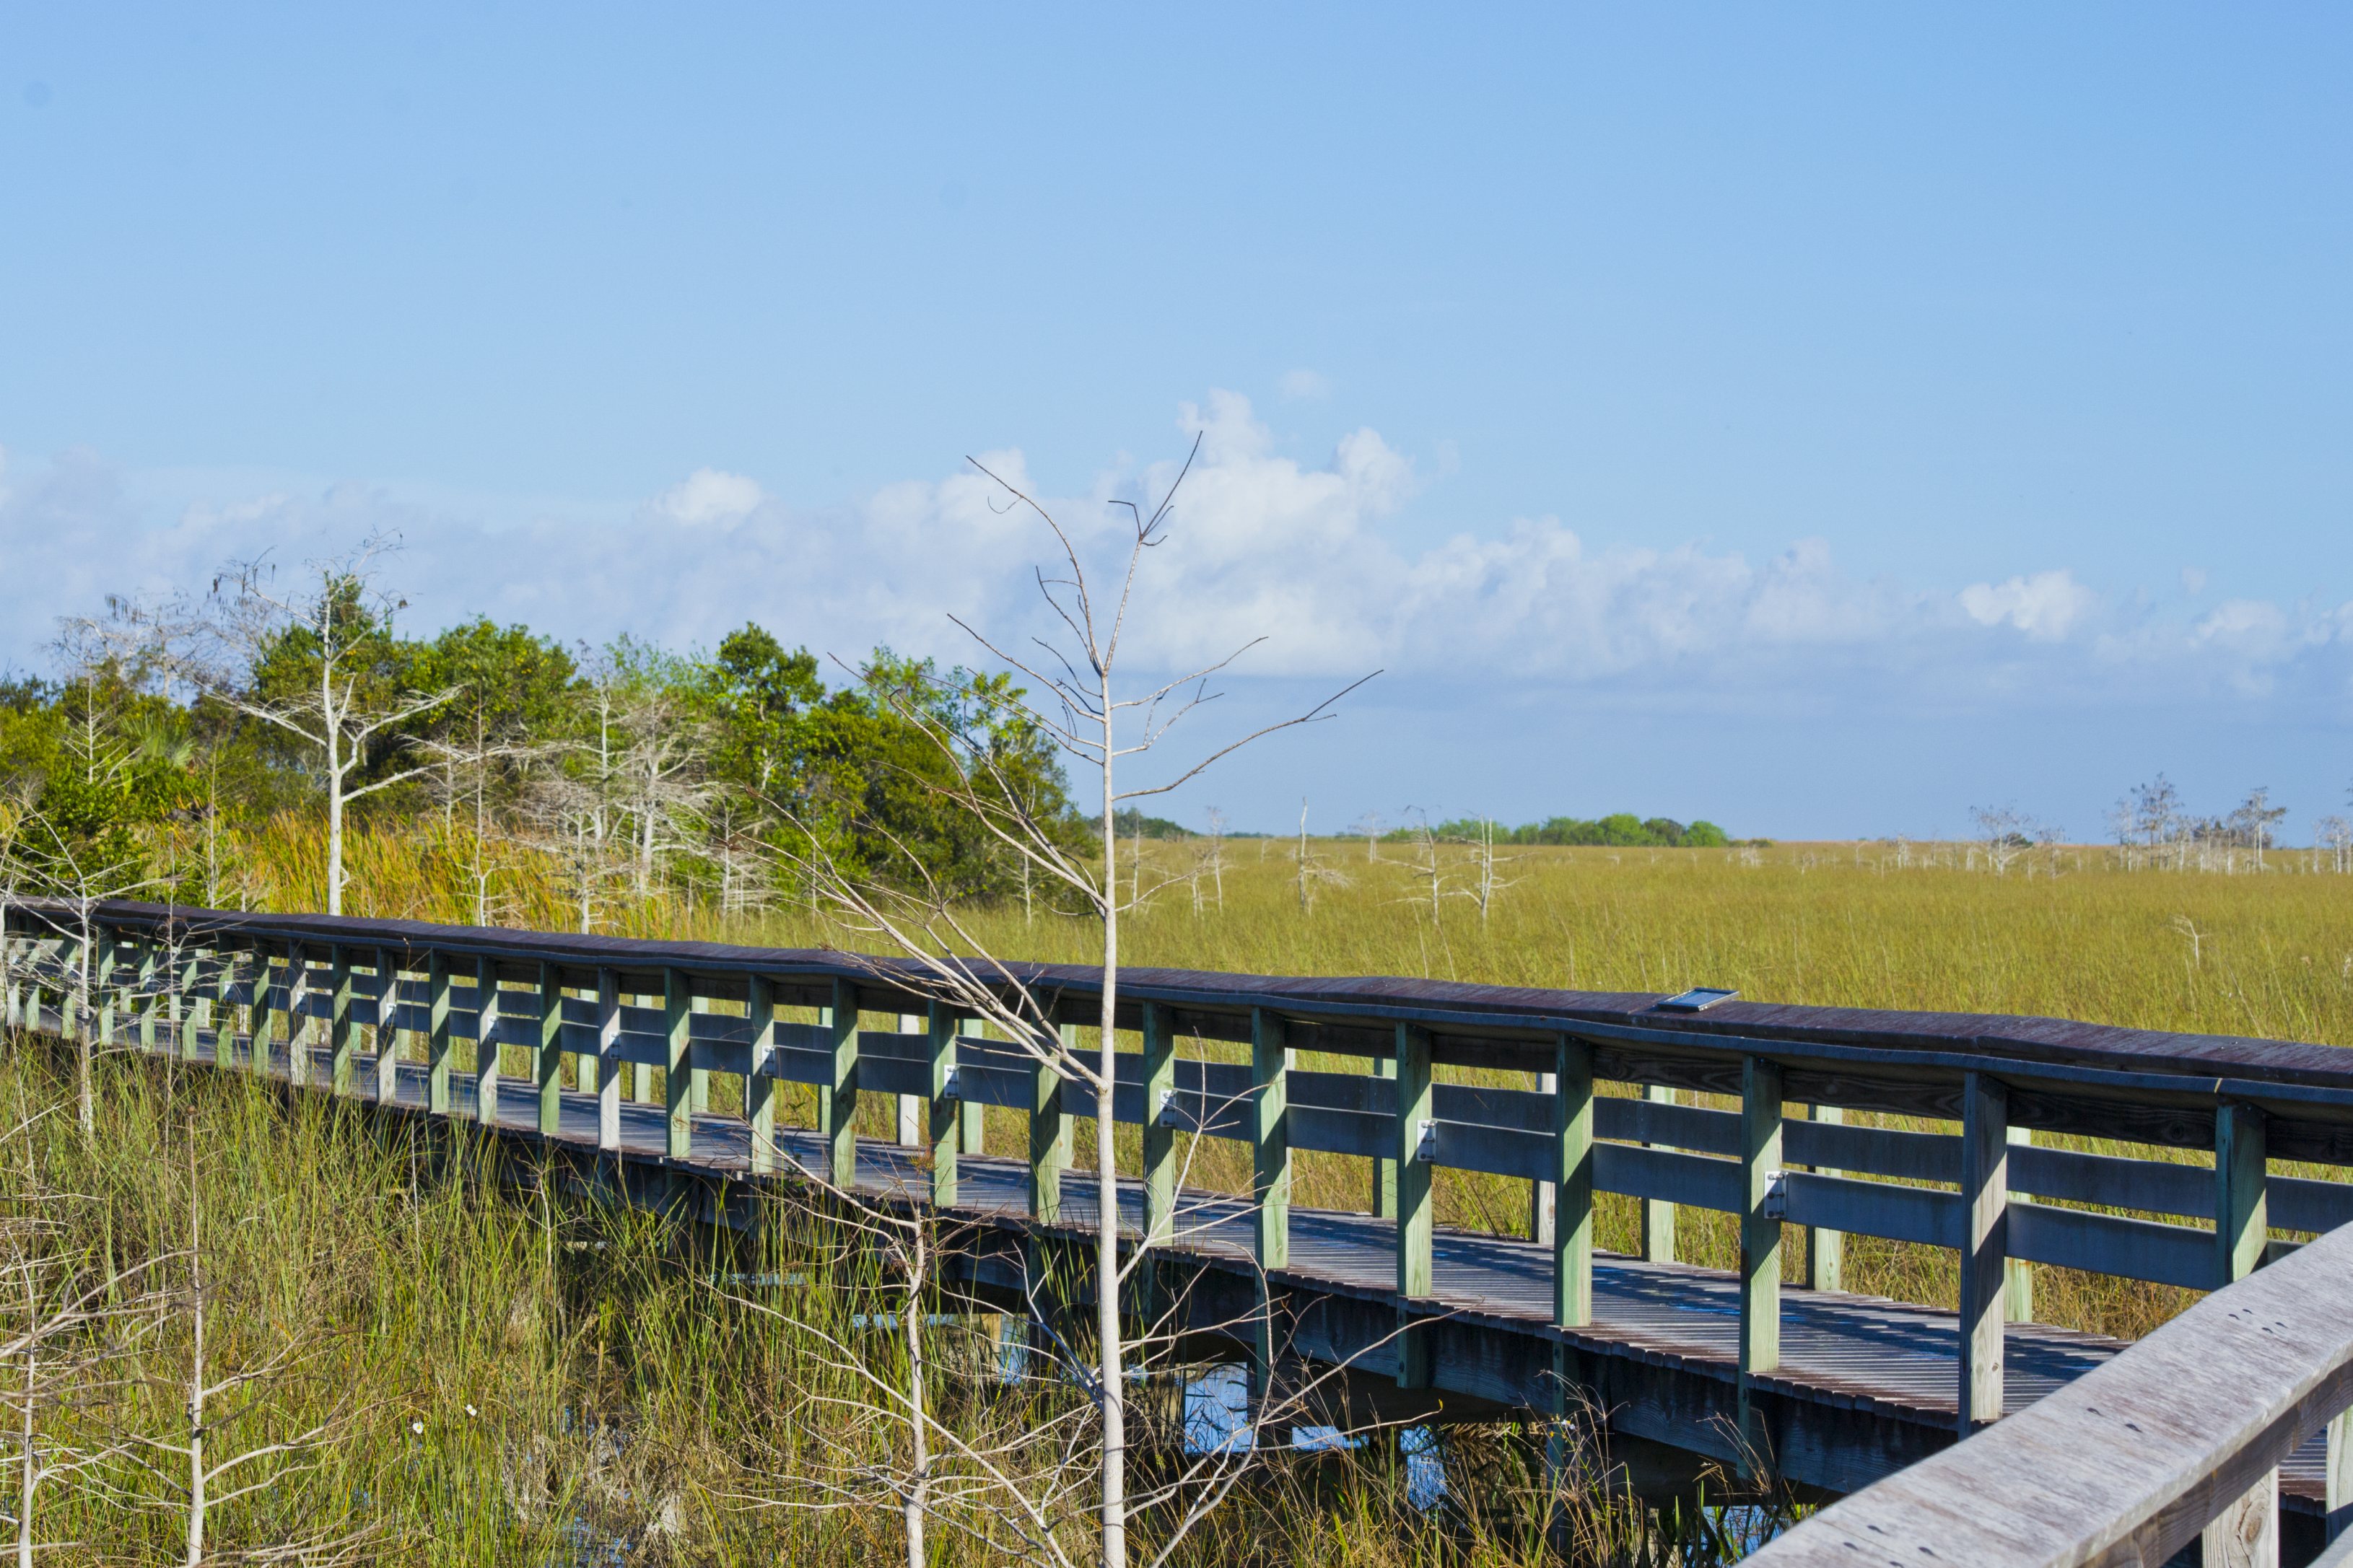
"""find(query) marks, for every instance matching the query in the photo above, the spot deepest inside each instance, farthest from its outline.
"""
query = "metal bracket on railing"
(1777, 1194)
(1165, 1113)
(952, 1086)
(1425, 1142)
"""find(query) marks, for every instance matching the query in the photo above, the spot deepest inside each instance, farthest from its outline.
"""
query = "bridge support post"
(946, 1117)
(1270, 1171)
(678, 1064)
(387, 1027)
(1985, 1247)
(608, 1060)
(486, 1042)
(759, 1088)
(438, 1041)
(1413, 1216)
(549, 1066)
(1049, 1136)
(1760, 1247)
(2247, 1531)
(343, 1031)
(839, 1102)
(1658, 1214)
(1825, 1249)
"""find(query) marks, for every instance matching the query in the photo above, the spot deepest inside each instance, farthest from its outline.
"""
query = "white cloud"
(708, 496)
(1314, 556)
(1301, 385)
(2046, 606)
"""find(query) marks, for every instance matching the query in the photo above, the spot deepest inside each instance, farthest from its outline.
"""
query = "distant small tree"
(2252, 821)
(2004, 833)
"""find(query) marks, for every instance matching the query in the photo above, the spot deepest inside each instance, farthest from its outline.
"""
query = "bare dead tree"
(70, 1323)
(335, 696)
(1087, 709)
(469, 767)
(1309, 873)
(1484, 882)
(1427, 870)
(221, 1396)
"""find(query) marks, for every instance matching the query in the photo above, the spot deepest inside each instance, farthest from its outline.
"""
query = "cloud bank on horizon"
(1307, 556)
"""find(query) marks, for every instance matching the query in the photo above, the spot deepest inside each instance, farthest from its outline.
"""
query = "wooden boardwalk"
(1888, 1362)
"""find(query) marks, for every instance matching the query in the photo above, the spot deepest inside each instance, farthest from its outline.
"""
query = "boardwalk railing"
(2179, 1440)
(1609, 1110)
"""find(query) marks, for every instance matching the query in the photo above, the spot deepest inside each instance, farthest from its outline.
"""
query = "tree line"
(170, 733)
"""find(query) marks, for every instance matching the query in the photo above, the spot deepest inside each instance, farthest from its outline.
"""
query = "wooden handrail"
(2130, 1462)
(624, 1007)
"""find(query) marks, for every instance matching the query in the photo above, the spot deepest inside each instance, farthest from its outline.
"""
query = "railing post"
(186, 1002)
(1825, 1249)
(387, 1027)
(1383, 1204)
(548, 1066)
(908, 1110)
(102, 983)
(698, 1076)
(1270, 1139)
(841, 1107)
(2018, 1274)
(941, 1029)
(224, 1006)
(298, 1020)
(1572, 1182)
(343, 1031)
(261, 1013)
(2247, 1531)
(2339, 1475)
(1159, 1138)
(1658, 1214)
(1269, 1173)
(608, 1060)
(486, 1042)
(1543, 1194)
(641, 1074)
(1413, 1215)
(150, 1003)
(437, 1060)
(1760, 1241)
(759, 1085)
(1985, 1247)
(678, 1067)
(1049, 1136)
(973, 1114)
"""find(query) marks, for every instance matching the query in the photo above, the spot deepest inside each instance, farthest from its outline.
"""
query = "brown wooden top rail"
(804, 1016)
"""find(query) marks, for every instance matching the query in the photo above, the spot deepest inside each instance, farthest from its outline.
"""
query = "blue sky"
(1823, 422)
